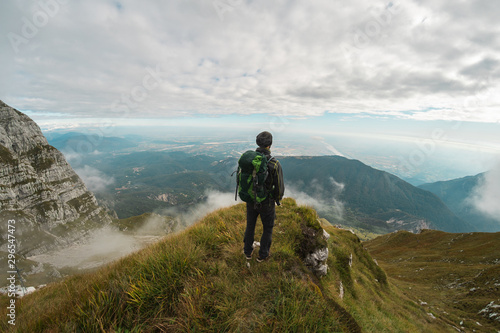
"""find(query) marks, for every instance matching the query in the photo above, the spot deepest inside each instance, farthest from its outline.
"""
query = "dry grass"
(454, 276)
(198, 280)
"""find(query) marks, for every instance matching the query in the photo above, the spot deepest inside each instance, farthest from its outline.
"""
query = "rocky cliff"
(39, 189)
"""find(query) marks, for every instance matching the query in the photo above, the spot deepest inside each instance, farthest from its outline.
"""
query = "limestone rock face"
(39, 190)
(314, 248)
(317, 261)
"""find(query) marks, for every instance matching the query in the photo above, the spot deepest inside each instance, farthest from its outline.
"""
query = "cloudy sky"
(67, 62)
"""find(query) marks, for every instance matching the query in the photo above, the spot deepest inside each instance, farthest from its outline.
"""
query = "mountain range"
(379, 200)
(342, 190)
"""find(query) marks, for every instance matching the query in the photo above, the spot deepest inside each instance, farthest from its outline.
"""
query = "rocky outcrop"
(316, 260)
(39, 190)
(313, 246)
(491, 311)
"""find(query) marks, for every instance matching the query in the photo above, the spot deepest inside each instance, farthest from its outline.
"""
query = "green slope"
(455, 275)
(198, 281)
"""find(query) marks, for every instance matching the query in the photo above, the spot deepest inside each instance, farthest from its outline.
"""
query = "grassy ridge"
(453, 275)
(198, 280)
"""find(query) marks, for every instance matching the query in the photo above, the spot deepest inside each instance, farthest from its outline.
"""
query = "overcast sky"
(419, 60)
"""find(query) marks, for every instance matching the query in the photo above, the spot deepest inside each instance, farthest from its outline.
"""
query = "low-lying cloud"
(101, 246)
(95, 180)
(486, 196)
(325, 198)
(214, 200)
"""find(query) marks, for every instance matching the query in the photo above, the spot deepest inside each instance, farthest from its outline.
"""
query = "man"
(266, 209)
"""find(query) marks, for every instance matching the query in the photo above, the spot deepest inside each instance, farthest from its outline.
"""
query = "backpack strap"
(237, 172)
(237, 183)
(269, 159)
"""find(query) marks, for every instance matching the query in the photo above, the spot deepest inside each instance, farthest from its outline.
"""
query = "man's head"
(264, 139)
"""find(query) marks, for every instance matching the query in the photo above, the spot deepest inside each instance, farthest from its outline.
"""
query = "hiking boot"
(249, 257)
(259, 259)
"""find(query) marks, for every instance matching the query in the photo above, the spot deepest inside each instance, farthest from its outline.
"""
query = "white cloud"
(325, 198)
(179, 58)
(214, 200)
(486, 197)
(101, 246)
(95, 180)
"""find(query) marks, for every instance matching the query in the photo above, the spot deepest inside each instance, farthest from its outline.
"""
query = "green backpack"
(251, 177)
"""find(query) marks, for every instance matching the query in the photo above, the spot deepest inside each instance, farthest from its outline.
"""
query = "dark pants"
(267, 214)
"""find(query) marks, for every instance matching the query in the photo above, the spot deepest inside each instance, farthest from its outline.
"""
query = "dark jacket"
(274, 180)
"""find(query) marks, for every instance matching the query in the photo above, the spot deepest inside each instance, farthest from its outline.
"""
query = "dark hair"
(264, 139)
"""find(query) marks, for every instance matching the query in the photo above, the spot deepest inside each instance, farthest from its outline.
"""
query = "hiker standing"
(274, 189)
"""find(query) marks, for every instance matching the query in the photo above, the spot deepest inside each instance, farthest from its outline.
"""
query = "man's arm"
(278, 184)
